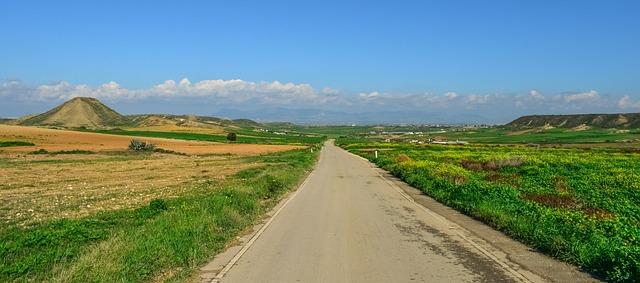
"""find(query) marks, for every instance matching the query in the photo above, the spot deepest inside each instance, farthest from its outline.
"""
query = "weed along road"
(349, 223)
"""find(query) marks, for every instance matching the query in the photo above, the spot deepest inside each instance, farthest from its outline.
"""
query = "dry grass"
(39, 187)
(402, 158)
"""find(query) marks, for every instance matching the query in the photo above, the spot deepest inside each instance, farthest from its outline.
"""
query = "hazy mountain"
(622, 120)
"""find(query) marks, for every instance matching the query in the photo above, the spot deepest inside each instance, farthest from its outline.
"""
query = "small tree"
(232, 137)
(137, 145)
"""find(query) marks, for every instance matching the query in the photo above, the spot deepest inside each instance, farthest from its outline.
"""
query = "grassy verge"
(166, 240)
(581, 206)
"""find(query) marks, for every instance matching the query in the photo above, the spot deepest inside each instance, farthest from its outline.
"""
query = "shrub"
(137, 145)
(40, 151)
(168, 151)
(15, 143)
(232, 136)
(74, 151)
(158, 204)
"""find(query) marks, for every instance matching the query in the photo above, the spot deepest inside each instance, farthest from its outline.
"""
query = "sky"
(324, 61)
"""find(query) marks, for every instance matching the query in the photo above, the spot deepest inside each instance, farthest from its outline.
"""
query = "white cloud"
(477, 99)
(369, 96)
(237, 93)
(451, 95)
(590, 96)
(535, 95)
(626, 103)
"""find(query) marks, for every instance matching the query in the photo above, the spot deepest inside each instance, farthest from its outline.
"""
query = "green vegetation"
(136, 145)
(578, 205)
(243, 136)
(232, 137)
(15, 143)
(550, 136)
(163, 241)
(485, 135)
(75, 151)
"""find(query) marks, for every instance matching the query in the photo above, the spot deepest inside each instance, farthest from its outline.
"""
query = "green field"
(550, 136)
(581, 206)
(243, 136)
(484, 135)
(166, 240)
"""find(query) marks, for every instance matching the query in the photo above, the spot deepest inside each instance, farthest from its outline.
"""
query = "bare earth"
(349, 223)
(56, 140)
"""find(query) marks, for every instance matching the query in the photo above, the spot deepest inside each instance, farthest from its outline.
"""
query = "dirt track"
(56, 140)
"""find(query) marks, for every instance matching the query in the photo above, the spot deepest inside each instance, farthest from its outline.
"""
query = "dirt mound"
(79, 112)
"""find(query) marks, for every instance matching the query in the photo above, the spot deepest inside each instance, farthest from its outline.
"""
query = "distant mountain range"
(623, 120)
(91, 113)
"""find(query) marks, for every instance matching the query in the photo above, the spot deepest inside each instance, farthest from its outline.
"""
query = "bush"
(15, 143)
(158, 204)
(232, 137)
(137, 145)
(40, 151)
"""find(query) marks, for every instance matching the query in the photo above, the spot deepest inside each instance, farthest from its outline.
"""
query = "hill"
(189, 123)
(89, 112)
(78, 112)
(578, 121)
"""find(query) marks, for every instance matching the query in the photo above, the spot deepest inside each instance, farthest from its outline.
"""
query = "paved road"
(348, 224)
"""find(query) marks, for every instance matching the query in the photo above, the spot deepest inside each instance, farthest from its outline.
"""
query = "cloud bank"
(212, 95)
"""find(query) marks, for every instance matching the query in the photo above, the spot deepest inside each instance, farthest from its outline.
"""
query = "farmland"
(482, 134)
(80, 207)
(578, 205)
(245, 136)
(28, 139)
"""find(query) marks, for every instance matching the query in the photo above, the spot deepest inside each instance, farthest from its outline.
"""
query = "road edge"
(256, 231)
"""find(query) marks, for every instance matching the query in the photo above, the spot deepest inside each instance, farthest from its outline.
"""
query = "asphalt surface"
(348, 223)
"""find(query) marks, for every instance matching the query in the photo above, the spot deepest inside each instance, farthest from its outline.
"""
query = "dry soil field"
(36, 187)
(56, 140)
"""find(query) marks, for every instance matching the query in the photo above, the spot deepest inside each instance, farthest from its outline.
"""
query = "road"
(348, 223)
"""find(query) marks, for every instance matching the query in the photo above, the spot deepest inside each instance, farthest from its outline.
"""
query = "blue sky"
(345, 56)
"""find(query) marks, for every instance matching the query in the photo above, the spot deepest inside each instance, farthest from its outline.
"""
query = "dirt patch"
(568, 202)
(597, 213)
(60, 140)
(560, 185)
(579, 128)
(555, 201)
(501, 178)
(492, 165)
